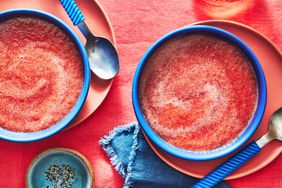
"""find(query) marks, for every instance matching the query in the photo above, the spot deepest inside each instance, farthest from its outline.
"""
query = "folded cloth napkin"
(140, 167)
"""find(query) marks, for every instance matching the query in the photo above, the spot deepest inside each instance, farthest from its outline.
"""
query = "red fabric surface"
(137, 24)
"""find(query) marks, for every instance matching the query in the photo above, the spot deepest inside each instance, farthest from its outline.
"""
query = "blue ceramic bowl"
(243, 137)
(33, 136)
(83, 175)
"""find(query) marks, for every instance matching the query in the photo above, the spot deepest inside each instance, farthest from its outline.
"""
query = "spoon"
(102, 55)
(229, 166)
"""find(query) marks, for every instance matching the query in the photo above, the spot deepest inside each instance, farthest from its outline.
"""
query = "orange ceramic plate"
(271, 61)
(99, 24)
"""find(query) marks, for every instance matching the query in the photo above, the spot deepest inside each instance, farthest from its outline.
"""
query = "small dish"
(36, 175)
(243, 137)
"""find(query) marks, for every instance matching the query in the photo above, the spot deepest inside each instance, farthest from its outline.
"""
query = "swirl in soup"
(41, 74)
(198, 92)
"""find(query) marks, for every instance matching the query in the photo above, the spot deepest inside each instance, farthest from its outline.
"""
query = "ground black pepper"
(60, 175)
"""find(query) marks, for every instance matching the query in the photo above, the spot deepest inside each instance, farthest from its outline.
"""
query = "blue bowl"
(83, 174)
(243, 137)
(34, 136)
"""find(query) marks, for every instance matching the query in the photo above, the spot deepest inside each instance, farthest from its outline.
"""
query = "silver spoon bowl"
(102, 55)
(275, 129)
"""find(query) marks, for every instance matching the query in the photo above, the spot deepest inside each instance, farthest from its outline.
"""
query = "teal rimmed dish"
(83, 174)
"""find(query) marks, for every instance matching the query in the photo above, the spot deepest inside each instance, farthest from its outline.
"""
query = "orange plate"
(271, 61)
(99, 24)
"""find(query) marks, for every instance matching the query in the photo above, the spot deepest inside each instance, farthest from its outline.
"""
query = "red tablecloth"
(137, 23)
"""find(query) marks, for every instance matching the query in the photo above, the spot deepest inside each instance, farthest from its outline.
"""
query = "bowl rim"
(39, 135)
(243, 137)
(54, 150)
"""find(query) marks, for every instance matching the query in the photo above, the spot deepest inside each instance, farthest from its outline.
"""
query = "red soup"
(198, 92)
(41, 74)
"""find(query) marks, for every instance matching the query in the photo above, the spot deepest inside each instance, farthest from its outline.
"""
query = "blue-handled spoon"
(102, 55)
(229, 166)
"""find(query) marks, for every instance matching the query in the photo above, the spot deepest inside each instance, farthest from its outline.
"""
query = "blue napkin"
(140, 167)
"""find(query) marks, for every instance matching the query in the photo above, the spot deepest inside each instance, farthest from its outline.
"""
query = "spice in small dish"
(60, 168)
(60, 175)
